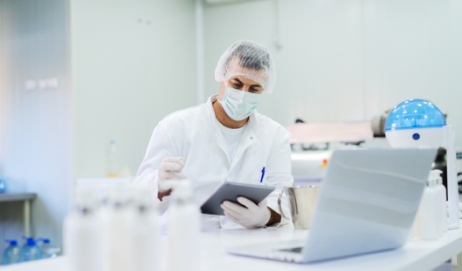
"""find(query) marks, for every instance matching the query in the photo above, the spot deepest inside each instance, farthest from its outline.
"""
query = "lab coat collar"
(249, 137)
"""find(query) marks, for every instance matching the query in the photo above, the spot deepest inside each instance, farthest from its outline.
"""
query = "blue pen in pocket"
(262, 175)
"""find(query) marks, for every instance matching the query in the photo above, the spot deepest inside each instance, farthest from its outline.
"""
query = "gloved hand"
(253, 216)
(170, 169)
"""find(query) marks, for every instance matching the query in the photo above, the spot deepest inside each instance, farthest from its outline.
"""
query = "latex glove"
(253, 216)
(170, 169)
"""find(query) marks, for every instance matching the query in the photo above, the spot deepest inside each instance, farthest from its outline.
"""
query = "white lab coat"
(193, 134)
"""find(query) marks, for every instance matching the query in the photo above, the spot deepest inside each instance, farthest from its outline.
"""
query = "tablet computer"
(230, 192)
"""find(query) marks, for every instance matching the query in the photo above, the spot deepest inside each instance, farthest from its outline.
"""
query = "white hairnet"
(249, 59)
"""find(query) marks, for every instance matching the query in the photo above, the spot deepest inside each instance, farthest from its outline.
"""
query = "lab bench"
(26, 198)
(415, 255)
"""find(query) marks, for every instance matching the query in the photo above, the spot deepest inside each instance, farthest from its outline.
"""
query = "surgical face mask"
(238, 104)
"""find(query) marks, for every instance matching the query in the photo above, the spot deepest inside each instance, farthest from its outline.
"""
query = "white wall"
(133, 63)
(347, 60)
(37, 154)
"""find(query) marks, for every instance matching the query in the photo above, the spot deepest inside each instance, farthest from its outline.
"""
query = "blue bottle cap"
(12, 242)
(30, 241)
(415, 113)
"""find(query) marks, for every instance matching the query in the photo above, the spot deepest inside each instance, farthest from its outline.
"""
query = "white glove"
(253, 216)
(170, 169)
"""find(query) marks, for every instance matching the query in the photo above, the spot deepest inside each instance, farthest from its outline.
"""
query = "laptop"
(367, 203)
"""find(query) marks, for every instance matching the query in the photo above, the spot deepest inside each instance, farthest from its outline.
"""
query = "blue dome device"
(415, 113)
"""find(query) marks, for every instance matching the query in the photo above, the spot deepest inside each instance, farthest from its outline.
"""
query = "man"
(223, 140)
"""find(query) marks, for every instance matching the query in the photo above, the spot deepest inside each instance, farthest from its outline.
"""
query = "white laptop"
(367, 203)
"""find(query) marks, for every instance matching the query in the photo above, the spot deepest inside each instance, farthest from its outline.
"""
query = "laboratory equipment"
(358, 208)
(313, 144)
(30, 251)
(417, 123)
(183, 229)
(302, 200)
(82, 233)
(2, 186)
(12, 253)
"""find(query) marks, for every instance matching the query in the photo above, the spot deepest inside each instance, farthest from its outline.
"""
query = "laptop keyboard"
(293, 250)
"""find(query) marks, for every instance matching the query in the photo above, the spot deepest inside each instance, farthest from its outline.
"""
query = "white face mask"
(239, 104)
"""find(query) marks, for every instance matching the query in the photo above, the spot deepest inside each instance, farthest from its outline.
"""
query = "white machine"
(367, 203)
(418, 123)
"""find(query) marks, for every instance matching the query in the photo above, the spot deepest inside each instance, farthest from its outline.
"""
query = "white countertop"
(415, 255)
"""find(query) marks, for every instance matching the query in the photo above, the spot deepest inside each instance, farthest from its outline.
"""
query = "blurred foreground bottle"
(183, 229)
(114, 235)
(82, 243)
(143, 228)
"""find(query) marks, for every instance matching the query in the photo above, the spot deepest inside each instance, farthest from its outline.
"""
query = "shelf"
(8, 197)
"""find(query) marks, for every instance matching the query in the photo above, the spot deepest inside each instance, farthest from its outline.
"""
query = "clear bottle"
(12, 254)
(112, 169)
(82, 233)
(144, 237)
(436, 175)
(183, 229)
(430, 227)
(30, 251)
(48, 251)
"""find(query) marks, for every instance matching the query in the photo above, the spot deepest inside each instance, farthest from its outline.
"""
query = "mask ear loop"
(226, 87)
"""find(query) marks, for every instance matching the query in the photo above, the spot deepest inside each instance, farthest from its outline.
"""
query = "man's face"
(240, 82)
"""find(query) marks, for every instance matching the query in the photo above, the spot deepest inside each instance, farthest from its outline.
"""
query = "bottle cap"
(30, 241)
(12, 242)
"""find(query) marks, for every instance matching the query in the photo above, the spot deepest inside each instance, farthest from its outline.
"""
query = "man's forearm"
(274, 218)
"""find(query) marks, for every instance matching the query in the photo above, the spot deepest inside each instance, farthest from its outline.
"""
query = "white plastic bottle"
(144, 237)
(114, 222)
(184, 252)
(442, 191)
(415, 231)
(112, 169)
(430, 227)
(82, 242)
